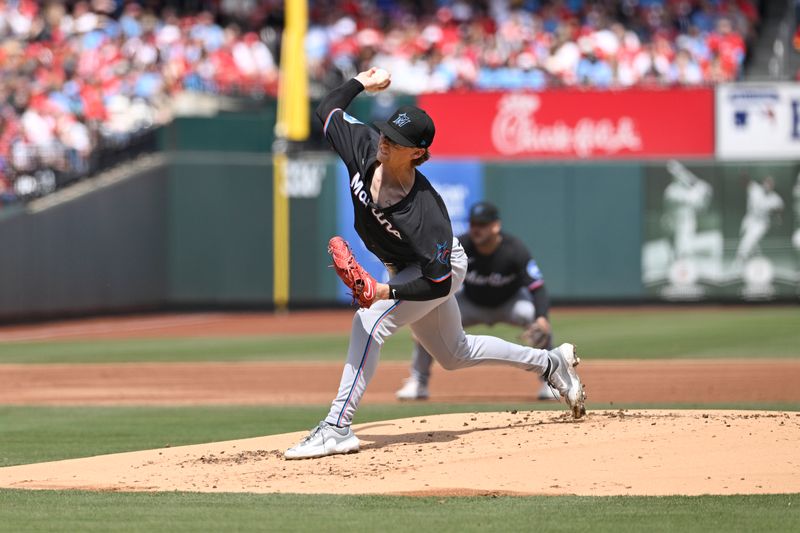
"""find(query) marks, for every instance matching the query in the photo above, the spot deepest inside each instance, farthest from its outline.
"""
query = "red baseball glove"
(351, 273)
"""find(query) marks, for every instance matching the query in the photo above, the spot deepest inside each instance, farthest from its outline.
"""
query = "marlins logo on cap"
(401, 120)
(409, 126)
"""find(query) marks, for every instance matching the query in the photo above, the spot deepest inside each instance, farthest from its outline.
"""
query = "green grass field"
(23, 511)
(735, 332)
(34, 434)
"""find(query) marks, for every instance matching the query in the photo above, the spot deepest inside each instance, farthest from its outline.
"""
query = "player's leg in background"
(519, 310)
(421, 362)
(416, 386)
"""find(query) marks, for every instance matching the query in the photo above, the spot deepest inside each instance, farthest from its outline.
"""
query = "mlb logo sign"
(758, 121)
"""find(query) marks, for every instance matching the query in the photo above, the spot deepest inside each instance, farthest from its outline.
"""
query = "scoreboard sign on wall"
(568, 124)
(758, 121)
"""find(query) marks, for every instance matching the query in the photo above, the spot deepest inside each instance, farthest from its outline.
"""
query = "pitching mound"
(607, 453)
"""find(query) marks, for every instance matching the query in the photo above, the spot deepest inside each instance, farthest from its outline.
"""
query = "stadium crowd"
(533, 44)
(76, 77)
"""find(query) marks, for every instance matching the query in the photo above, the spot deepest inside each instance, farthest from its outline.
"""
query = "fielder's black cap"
(409, 126)
(483, 213)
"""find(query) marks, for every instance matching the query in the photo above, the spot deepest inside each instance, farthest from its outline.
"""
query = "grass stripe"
(669, 333)
(28, 511)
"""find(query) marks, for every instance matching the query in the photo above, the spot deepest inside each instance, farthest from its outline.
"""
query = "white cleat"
(325, 439)
(564, 378)
(412, 390)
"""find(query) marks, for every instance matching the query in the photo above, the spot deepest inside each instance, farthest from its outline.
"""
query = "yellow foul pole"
(292, 125)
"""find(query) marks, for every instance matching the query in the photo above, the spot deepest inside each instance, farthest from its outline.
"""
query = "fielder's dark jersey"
(493, 279)
(415, 230)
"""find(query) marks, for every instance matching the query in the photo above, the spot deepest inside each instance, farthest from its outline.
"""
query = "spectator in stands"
(685, 70)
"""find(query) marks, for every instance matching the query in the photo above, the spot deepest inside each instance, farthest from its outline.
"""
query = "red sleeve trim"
(327, 120)
(437, 280)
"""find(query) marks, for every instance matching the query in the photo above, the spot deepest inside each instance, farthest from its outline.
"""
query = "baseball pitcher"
(404, 222)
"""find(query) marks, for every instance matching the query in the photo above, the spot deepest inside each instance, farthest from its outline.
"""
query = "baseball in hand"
(381, 76)
(380, 79)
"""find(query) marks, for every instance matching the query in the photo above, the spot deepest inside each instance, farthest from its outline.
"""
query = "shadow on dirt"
(372, 441)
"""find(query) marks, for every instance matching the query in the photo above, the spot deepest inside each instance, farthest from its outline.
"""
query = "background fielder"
(503, 284)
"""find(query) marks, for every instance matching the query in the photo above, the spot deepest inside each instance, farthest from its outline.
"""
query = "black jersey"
(415, 230)
(493, 279)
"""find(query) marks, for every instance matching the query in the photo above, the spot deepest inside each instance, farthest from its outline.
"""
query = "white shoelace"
(311, 435)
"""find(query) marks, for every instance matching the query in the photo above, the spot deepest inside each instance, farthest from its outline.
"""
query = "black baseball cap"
(483, 213)
(409, 126)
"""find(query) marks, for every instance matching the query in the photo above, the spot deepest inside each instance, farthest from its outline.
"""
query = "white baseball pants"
(437, 326)
(518, 311)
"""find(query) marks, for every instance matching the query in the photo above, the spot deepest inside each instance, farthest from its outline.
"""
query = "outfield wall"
(196, 231)
(104, 250)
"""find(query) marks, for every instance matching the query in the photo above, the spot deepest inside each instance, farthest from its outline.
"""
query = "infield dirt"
(281, 383)
(620, 452)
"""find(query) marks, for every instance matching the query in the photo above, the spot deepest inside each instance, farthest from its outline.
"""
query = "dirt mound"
(527, 452)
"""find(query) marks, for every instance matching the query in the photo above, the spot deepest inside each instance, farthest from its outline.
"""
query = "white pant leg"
(520, 310)
(437, 325)
(421, 363)
(441, 333)
(421, 360)
(371, 327)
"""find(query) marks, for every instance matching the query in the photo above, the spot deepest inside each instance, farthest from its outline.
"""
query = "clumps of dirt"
(236, 459)
(627, 414)
(534, 418)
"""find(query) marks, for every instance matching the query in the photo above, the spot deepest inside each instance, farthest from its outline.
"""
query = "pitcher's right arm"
(347, 134)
